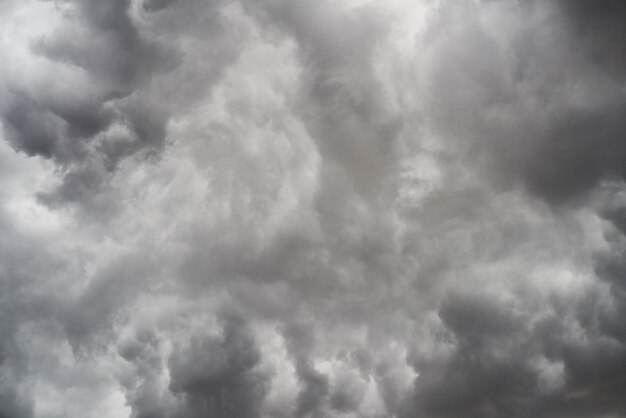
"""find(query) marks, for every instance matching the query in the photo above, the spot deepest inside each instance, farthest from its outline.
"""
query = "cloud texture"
(293, 208)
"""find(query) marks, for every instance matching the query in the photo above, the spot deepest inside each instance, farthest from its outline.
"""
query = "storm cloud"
(289, 208)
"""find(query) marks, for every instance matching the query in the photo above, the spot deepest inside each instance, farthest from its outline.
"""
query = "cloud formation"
(308, 209)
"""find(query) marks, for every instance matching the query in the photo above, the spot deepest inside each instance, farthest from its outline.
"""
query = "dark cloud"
(98, 59)
(31, 127)
(157, 5)
(217, 377)
(98, 105)
(534, 100)
(599, 29)
(312, 209)
(11, 406)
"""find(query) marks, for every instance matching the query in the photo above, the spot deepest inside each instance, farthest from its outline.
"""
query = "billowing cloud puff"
(277, 208)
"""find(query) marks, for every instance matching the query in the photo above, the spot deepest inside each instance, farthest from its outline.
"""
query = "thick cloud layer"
(286, 208)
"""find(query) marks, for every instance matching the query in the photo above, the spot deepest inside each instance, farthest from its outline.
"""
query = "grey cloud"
(11, 406)
(599, 27)
(100, 105)
(560, 148)
(17, 308)
(470, 315)
(112, 50)
(532, 99)
(342, 101)
(215, 375)
(314, 392)
(143, 391)
(157, 5)
(217, 378)
(30, 128)
(62, 121)
(314, 209)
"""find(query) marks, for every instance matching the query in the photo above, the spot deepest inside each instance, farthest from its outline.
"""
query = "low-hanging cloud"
(312, 209)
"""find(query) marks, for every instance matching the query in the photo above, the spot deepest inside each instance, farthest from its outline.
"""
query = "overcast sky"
(312, 208)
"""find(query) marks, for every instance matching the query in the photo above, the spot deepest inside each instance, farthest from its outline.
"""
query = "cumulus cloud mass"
(312, 209)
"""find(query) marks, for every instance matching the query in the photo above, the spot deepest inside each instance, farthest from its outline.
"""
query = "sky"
(312, 209)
